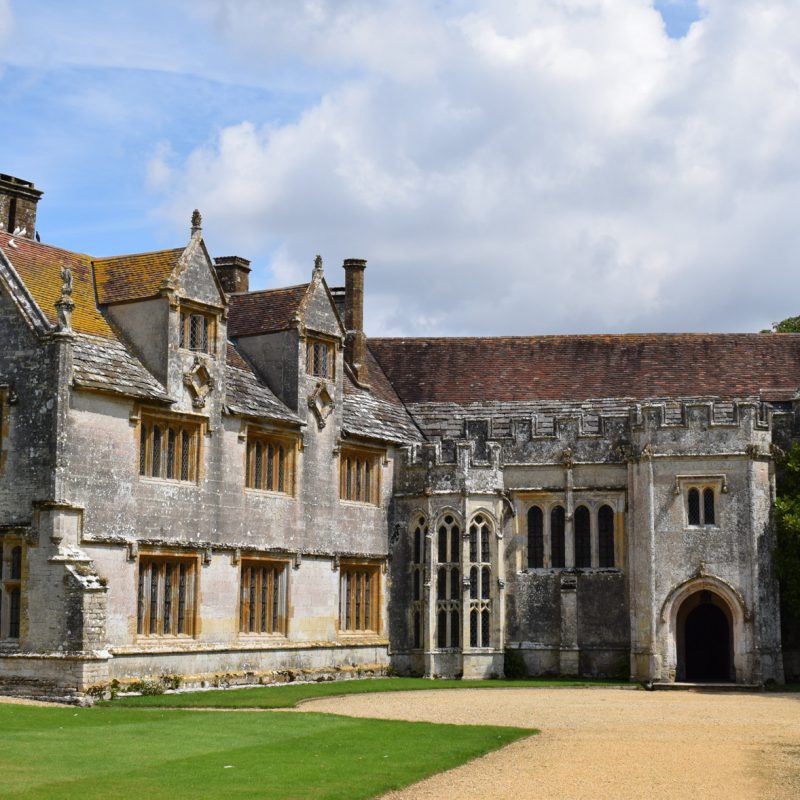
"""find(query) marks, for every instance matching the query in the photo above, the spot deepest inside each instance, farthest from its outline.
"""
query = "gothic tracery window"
(448, 584)
(417, 581)
(480, 582)
(535, 538)
(605, 531)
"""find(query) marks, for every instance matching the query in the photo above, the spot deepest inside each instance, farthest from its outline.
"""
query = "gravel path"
(607, 743)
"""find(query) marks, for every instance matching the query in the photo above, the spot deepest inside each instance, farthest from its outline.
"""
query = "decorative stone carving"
(65, 304)
(199, 382)
(322, 404)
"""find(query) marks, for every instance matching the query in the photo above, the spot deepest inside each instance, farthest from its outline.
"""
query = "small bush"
(514, 665)
(147, 687)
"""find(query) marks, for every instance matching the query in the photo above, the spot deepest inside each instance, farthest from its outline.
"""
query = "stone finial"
(197, 222)
(65, 304)
(318, 267)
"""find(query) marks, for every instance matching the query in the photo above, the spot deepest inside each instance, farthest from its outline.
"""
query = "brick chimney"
(355, 345)
(233, 273)
(18, 201)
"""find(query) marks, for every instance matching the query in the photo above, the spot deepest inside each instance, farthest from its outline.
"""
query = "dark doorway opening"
(707, 643)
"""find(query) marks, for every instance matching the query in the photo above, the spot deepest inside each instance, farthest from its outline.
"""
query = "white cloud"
(6, 24)
(522, 168)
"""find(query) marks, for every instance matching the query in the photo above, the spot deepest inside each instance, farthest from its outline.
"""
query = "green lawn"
(289, 695)
(129, 752)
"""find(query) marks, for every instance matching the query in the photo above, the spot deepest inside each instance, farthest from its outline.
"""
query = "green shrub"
(514, 665)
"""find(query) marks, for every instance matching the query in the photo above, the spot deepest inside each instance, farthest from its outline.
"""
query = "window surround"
(197, 329)
(359, 598)
(360, 474)
(261, 478)
(419, 535)
(716, 484)
(12, 567)
(177, 433)
(263, 597)
(320, 357)
(547, 502)
(175, 611)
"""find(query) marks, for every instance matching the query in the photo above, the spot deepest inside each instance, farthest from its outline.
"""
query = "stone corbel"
(335, 564)
(236, 558)
(297, 561)
(207, 556)
(133, 551)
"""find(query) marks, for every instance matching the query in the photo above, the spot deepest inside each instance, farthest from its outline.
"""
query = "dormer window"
(319, 358)
(197, 331)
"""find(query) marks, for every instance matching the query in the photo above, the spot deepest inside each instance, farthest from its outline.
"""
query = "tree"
(787, 518)
(788, 325)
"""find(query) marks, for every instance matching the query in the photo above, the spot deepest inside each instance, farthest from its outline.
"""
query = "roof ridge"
(33, 242)
(530, 337)
(275, 289)
(136, 255)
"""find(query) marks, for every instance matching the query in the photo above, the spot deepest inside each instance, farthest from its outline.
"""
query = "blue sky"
(506, 167)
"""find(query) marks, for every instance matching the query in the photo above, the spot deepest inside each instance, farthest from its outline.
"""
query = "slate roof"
(39, 267)
(245, 395)
(134, 277)
(266, 311)
(378, 413)
(576, 368)
(105, 364)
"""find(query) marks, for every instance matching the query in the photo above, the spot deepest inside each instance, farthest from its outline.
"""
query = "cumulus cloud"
(557, 166)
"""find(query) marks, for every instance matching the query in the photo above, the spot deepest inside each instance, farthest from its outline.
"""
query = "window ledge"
(359, 503)
(703, 528)
(167, 481)
(269, 493)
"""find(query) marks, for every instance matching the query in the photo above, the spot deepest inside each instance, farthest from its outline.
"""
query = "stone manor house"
(201, 480)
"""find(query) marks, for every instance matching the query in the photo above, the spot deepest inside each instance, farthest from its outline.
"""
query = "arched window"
(480, 581)
(605, 530)
(708, 506)
(535, 538)
(583, 541)
(694, 506)
(420, 531)
(448, 580)
(557, 537)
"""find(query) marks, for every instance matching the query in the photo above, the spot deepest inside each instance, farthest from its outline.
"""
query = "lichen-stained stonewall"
(229, 486)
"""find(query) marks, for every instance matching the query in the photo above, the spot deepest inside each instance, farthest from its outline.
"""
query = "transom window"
(166, 596)
(319, 358)
(262, 603)
(10, 588)
(197, 331)
(169, 448)
(270, 463)
(359, 476)
(448, 583)
(700, 506)
(359, 598)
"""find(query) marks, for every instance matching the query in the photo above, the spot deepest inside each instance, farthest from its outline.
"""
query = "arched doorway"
(705, 638)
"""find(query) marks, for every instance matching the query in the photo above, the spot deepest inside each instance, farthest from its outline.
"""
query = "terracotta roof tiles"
(134, 277)
(39, 267)
(636, 366)
(267, 311)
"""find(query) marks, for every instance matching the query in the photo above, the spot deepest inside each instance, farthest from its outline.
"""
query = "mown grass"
(129, 752)
(289, 695)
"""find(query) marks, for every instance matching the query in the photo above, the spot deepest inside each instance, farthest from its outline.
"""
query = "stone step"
(707, 686)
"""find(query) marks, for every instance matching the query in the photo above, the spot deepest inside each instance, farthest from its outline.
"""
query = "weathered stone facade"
(234, 486)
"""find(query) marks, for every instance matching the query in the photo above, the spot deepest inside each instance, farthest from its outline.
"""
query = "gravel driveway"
(607, 743)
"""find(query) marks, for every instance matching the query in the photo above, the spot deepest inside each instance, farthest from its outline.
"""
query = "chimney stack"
(18, 201)
(355, 345)
(233, 273)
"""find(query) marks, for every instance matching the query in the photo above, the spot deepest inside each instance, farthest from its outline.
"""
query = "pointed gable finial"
(318, 267)
(197, 223)
(65, 304)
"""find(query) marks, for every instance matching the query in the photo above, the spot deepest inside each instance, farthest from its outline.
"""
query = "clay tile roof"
(133, 277)
(264, 312)
(39, 267)
(636, 366)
